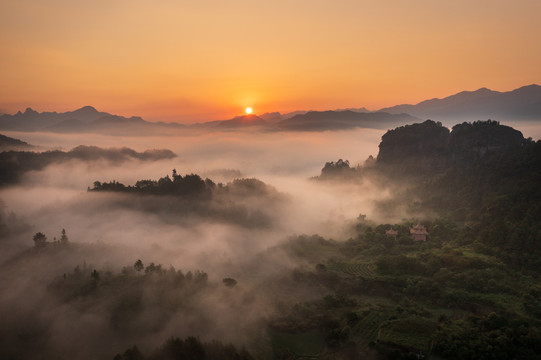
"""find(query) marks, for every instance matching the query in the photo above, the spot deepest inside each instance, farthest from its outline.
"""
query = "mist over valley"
(270, 244)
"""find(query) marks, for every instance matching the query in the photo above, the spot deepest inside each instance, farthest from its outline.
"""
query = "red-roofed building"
(418, 232)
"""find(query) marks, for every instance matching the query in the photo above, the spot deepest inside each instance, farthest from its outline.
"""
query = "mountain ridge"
(523, 103)
(342, 120)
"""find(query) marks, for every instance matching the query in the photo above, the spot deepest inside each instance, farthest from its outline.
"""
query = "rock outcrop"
(469, 142)
(415, 147)
(429, 146)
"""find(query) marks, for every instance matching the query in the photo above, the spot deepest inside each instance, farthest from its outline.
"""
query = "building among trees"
(418, 233)
(392, 233)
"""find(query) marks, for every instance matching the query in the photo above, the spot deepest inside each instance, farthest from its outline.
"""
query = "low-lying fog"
(285, 161)
(230, 237)
(233, 236)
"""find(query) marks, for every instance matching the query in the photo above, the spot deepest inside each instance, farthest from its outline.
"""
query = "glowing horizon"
(189, 62)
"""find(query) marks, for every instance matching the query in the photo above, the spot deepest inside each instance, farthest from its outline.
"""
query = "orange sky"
(181, 60)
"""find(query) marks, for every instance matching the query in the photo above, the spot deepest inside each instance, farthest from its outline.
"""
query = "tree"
(130, 354)
(229, 282)
(40, 239)
(64, 237)
(95, 275)
(320, 268)
(138, 266)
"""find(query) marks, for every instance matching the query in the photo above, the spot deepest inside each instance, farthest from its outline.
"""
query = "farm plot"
(365, 270)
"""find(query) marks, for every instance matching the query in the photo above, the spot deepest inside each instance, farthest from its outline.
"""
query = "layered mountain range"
(520, 104)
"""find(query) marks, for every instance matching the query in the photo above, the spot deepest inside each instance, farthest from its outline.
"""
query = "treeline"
(190, 348)
(14, 164)
(188, 185)
(40, 239)
(87, 281)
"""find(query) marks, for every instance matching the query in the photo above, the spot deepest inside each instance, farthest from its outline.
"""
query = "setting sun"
(248, 110)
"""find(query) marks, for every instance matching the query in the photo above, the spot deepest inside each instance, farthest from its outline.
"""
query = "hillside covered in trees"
(476, 191)
(14, 164)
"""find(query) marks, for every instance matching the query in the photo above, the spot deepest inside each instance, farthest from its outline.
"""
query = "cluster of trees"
(493, 336)
(189, 348)
(188, 185)
(40, 239)
(191, 185)
(197, 276)
(126, 299)
(340, 168)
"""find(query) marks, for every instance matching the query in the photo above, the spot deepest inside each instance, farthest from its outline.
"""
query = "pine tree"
(64, 237)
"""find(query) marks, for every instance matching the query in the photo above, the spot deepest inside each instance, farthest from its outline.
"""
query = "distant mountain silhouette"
(362, 109)
(85, 119)
(274, 117)
(341, 120)
(237, 122)
(8, 143)
(521, 104)
(31, 120)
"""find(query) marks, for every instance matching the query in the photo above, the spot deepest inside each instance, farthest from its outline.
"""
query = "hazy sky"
(179, 60)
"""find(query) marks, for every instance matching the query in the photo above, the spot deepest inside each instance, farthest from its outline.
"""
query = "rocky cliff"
(429, 146)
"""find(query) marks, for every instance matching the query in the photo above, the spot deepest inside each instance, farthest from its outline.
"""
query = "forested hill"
(189, 185)
(483, 176)
(14, 164)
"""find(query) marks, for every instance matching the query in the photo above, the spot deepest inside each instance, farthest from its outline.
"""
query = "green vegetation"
(126, 297)
(303, 344)
(471, 290)
(365, 270)
(190, 348)
(415, 297)
(412, 333)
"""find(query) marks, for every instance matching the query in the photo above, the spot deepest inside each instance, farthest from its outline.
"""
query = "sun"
(248, 110)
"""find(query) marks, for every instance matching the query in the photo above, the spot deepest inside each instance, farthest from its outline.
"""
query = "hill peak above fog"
(430, 146)
(523, 103)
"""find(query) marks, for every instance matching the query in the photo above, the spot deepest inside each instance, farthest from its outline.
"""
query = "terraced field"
(365, 270)
(367, 328)
(305, 345)
(416, 333)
